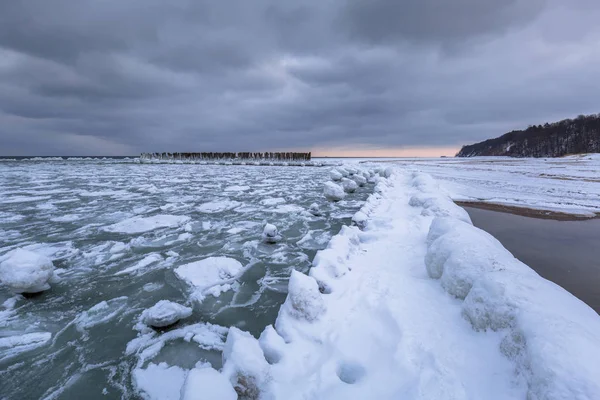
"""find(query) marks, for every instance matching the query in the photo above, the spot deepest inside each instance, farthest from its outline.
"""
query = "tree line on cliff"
(569, 136)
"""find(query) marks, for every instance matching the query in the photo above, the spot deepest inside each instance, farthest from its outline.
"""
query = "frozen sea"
(115, 231)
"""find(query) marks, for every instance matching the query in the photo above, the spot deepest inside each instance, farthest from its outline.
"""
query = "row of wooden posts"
(270, 156)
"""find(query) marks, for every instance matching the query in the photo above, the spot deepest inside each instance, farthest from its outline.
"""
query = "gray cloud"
(113, 77)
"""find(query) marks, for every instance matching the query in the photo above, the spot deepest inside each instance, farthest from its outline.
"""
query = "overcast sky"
(114, 77)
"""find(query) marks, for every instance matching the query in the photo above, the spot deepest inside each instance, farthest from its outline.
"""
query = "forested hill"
(570, 136)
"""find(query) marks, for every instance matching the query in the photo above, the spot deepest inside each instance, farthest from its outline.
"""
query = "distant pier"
(230, 158)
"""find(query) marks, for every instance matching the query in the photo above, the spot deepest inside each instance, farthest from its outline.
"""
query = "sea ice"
(217, 206)
(164, 313)
(145, 224)
(24, 271)
(212, 275)
(333, 191)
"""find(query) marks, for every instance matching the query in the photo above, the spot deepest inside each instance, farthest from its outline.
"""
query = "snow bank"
(552, 337)
(210, 276)
(24, 271)
(146, 224)
(333, 191)
(164, 313)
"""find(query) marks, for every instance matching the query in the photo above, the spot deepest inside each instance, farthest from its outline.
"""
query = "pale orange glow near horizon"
(391, 152)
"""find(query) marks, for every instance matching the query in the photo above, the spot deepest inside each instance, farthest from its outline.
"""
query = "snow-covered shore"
(420, 304)
(563, 185)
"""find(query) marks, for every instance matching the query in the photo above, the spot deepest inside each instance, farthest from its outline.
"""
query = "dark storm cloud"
(114, 77)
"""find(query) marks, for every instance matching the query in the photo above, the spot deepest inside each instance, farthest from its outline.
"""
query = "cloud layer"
(115, 78)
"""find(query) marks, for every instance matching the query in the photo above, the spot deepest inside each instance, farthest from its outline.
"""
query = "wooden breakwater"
(228, 156)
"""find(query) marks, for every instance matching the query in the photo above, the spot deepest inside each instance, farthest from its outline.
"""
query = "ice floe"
(210, 276)
(164, 313)
(145, 224)
(24, 271)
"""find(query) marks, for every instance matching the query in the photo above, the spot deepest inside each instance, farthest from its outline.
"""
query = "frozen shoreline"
(566, 187)
(373, 321)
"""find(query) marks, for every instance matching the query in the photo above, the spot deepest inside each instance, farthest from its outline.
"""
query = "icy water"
(110, 270)
(564, 252)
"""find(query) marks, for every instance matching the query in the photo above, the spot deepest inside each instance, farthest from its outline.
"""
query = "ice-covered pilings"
(229, 156)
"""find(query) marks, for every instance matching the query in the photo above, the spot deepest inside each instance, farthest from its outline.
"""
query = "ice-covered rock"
(270, 234)
(333, 192)
(271, 344)
(335, 175)
(244, 364)
(207, 384)
(349, 185)
(164, 313)
(210, 276)
(360, 180)
(314, 210)
(360, 219)
(304, 301)
(24, 271)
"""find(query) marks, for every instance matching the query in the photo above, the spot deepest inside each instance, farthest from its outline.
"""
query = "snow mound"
(24, 271)
(146, 224)
(333, 191)
(212, 275)
(336, 175)
(272, 345)
(270, 234)
(207, 384)
(550, 335)
(164, 313)
(360, 180)
(244, 364)
(349, 185)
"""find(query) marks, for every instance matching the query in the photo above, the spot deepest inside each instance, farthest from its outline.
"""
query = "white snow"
(212, 275)
(24, 271)
(164, 313)
(146, 224)
(370, 322)
(333, 192)
(207, 384)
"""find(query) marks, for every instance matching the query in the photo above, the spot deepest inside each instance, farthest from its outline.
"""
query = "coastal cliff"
(569, 136)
